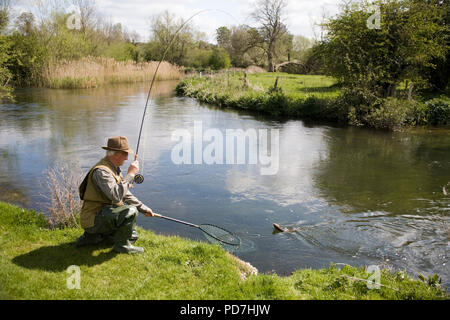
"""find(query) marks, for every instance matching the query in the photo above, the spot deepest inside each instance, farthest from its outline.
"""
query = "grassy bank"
(93, 72)
(34, 262)
(311, 97)
(295, 96)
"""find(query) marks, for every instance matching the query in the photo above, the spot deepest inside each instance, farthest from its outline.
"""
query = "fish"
(280, 228)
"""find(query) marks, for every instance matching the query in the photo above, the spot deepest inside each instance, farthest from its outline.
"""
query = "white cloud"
(135, 15)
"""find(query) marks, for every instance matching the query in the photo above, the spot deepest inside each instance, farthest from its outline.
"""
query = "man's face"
(119, 158)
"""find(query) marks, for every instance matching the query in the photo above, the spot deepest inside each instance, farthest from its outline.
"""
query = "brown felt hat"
(118, 144)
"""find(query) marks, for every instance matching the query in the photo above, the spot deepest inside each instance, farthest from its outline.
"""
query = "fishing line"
(139, 178)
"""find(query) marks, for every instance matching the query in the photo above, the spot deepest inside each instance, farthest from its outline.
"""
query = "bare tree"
(269, 14)
(88, 14)
(25, 23)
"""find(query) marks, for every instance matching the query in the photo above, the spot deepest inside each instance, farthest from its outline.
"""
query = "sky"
(302, 16)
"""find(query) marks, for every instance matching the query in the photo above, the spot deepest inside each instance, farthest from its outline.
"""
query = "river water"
(347, 195)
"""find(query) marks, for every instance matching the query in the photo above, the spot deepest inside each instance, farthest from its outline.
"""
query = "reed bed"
(91, 72)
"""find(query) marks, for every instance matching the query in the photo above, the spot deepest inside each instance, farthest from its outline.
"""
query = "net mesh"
(217, 235)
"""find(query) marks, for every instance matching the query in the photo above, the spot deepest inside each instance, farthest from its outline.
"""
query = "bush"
(391, 114)
(219, 59)
(62, 183)
(438, 111)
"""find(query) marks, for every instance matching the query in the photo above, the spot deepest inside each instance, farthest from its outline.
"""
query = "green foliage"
(432, 281)
(122, 51)
(28, 57)
(198, 58)
(219, 59)
(5, 73)
(410, 36)
(390, 114)
(284, 101)
(5, 44)
(438, 111)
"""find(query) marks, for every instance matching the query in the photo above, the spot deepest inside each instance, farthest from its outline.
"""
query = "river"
(348, 195)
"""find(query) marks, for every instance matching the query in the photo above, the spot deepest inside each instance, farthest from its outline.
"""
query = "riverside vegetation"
(34, 261)
(311, 97)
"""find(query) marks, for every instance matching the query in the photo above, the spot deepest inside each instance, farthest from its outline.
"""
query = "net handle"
(195, 226)
(176, 220)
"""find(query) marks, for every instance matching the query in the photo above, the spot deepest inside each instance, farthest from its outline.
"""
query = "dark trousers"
(119, 222)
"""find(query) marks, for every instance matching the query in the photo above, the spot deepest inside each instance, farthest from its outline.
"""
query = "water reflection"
(400, 173)
(301, 149)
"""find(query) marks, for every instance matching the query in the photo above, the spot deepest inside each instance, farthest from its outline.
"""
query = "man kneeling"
(104, 192)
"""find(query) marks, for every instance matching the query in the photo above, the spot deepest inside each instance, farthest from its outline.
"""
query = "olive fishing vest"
(94, 199)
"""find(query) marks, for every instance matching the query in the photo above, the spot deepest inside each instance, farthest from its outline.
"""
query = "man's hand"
(149, 213)
(134, 168)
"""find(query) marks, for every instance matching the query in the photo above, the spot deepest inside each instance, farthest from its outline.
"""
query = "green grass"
(297, 86)
(299, 96)
(34, 262)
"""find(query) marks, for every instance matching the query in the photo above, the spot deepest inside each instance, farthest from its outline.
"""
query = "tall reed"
(91, 72)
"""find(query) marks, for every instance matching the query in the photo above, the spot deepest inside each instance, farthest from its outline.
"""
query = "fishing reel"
(139, 178)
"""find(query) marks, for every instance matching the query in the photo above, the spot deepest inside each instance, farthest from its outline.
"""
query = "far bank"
(311, 97)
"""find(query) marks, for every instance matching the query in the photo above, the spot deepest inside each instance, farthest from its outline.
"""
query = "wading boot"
(122, 240)
(88, 239)
(128, 248)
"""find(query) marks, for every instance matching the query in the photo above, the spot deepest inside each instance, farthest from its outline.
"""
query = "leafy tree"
(5, 44)
(438, 74)
(27, 59)
(223, 37)
(164, 28)
(244, 45)
(219, 59)
(378, 60)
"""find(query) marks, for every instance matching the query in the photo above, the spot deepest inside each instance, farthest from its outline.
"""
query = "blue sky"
(301, 15)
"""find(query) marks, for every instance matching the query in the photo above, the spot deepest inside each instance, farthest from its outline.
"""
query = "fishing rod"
(139, 178)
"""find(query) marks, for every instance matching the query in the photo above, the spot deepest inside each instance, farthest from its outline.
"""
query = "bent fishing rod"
(139, 178)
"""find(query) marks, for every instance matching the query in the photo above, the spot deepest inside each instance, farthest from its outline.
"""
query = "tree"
(164, 27)
(219, 59)
(243, 44)
(223, 37)
(5, 8)
(378, 60)
(87, 11)
(25, 23)
(5, 44)
(269, 14)
(438, 74)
